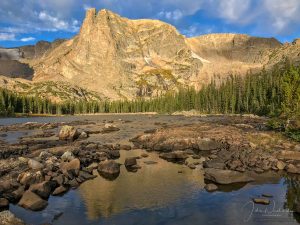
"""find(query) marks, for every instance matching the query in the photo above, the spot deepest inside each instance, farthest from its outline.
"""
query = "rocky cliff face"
(232, 47)
(226, 54)
(13, 61)
(122, 58)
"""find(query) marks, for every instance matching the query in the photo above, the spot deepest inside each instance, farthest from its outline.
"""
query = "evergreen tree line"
(266, 93)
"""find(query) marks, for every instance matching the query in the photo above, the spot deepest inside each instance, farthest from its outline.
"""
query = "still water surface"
(158, 194)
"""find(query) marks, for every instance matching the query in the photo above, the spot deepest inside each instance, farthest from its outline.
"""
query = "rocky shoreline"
(62, 156)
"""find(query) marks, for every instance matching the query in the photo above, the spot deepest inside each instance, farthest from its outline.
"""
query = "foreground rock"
(7, 218)
(226, 176)
(109, 169)
(60, 190)
(32, 201)
(68, 133)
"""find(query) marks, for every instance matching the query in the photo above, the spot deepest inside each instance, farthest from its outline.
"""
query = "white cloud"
(196, 30)
(268, 17)
(54, 22)
(282, 15)
(7, 37)
(173, 15)
(27, 39)
(233, 10)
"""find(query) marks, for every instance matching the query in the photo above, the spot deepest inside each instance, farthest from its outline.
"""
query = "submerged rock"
(262, 201)
(226, 176)
(144, 155)
(149, 162)
(176, 156)
(32, 201)
(267, 195)
(211, 187)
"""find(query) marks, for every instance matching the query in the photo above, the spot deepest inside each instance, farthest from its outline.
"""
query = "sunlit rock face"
(122, 58)
(119, 58)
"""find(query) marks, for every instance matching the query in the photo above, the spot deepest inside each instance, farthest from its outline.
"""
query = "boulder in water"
(68, 133)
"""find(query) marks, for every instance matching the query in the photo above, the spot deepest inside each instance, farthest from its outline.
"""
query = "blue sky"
(25, 22)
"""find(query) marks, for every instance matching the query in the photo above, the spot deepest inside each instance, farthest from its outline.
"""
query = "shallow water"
(158, 194)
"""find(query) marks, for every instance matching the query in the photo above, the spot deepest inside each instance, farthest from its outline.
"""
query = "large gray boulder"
(226, 176)
(68, 133)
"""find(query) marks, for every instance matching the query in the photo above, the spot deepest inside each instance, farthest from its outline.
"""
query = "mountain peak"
(122, 58)
(90, 13)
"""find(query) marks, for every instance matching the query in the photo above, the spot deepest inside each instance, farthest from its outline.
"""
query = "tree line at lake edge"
(270, 93)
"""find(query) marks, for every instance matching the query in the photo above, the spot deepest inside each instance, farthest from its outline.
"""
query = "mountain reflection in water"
(153, 186)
